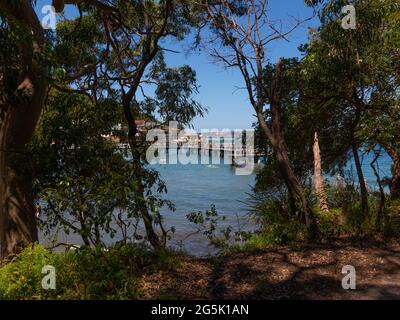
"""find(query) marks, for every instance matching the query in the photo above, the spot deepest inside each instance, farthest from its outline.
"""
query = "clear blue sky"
(229, 107)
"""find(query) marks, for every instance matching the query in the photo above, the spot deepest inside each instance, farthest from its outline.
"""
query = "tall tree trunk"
(295, 188)
(275, 134)
(381, 205)
(291, 181)
(318, 180)
(17, 217)
(361, 181)
(25, 89)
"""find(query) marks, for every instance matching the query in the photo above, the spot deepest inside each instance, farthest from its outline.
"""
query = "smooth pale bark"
(318, 180)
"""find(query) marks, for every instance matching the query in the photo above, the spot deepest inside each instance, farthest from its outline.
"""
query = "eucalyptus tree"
(84, 182)
(123, 58)
(109, 45)
(298, 133)
(24, 75)
(244, 31)
(382, 120)
(351, 69)
(380, 127)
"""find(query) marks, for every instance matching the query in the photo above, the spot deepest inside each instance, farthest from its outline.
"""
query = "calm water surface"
(196, 187)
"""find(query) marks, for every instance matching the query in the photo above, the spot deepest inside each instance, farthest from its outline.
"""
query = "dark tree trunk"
(136, 158)
(25, 89)
(17, 217)
(381, 205)
(84, 231)
(395, 183)
(275, 135)
(294, 187)
(291, 181)
(361, 181)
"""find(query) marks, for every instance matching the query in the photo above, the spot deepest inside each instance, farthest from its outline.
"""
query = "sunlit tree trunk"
(318, 180)
(361, 181)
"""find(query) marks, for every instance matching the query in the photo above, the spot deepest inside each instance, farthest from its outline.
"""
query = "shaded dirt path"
(283, 273)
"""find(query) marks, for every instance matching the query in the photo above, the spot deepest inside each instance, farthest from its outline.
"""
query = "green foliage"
(344, 220)
(88, 273)
(109, 60)
(84, 181)
(82, 177)
(174, 93)
(331, 223)
(346, 89)
(21, 279)
(207, 223)
(276, 235)
(350, 72)
(278, 225)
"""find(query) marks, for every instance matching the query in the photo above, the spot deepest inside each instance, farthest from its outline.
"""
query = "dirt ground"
(312, 272)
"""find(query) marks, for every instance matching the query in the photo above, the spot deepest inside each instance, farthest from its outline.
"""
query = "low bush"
(279, 225)
(87, 273)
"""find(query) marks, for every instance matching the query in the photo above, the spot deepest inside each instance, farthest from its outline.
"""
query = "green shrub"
(331, 224)
(87, 273)
(278, 225)
(278, 234)
(21, 278)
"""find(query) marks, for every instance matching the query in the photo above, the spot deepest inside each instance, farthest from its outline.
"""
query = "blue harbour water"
(383, 165)
(195, 187)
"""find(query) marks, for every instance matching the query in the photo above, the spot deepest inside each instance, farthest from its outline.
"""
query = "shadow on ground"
(283, 273)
